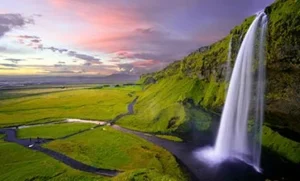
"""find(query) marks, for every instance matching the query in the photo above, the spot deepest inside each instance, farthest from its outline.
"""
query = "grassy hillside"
(163, 107)
(174, 96)
(207, 66)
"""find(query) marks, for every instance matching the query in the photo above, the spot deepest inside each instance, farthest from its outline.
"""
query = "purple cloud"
(11, 21)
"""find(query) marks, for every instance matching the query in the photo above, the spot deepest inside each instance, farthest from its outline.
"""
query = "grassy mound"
(106, 147)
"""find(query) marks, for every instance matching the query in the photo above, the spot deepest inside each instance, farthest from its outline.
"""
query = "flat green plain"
(102, 147)
(95, 104)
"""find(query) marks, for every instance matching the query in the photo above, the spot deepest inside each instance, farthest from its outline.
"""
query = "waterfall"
(260, 90)
(244, 102)
(228, 62)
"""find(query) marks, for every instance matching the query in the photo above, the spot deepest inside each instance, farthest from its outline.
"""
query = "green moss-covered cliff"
(174, 96)
(207, 66)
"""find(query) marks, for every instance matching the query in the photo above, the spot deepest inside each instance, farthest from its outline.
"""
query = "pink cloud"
(108, 24)
(117, 26)
(145, 63)
(151, 34)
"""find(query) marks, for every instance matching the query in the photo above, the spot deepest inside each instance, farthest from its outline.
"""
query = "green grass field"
(30, 91)
(53, 130)
(144, 175)
(98, 104)
(101, 147)
(19, 163)
(106, 147)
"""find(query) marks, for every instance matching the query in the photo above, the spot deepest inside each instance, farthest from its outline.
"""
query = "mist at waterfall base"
(239, 134)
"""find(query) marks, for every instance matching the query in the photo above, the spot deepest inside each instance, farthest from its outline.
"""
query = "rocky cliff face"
(207, 67)
(283, 64)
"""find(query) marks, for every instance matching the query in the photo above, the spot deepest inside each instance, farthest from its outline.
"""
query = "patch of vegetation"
(170, 137)
(103, 104)
(202, 120)
(106, 147)
(129, 87)
(287, 148)
(53, 130)
(162, 107)
(159, 107)
(19, 163)
(23, 92)
(145, 175)
(283, 66)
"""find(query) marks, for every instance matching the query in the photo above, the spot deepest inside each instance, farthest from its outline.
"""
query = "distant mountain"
(121, 78)
(21, 81)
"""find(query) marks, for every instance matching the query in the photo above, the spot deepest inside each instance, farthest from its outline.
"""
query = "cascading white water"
(233, 139)
(228, 62)
(260, 90)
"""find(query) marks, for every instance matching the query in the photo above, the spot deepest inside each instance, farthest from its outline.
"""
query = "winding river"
(230, 170)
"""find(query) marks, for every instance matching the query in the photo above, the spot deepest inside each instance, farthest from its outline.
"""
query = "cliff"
(207, 67)
(174, 98)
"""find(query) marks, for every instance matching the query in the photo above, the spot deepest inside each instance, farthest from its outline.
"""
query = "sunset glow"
(105, 37)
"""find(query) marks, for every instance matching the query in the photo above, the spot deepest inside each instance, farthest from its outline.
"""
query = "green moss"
(201, 118)
(283, 64)
(283, 146)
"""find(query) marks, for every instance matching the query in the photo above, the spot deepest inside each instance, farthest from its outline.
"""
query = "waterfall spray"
(233, 139)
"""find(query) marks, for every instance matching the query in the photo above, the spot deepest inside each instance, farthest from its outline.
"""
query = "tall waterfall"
(244, 102)
(228, 62)
(259, 94)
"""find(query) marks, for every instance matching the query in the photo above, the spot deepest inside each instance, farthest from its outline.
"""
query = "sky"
(103, 37)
